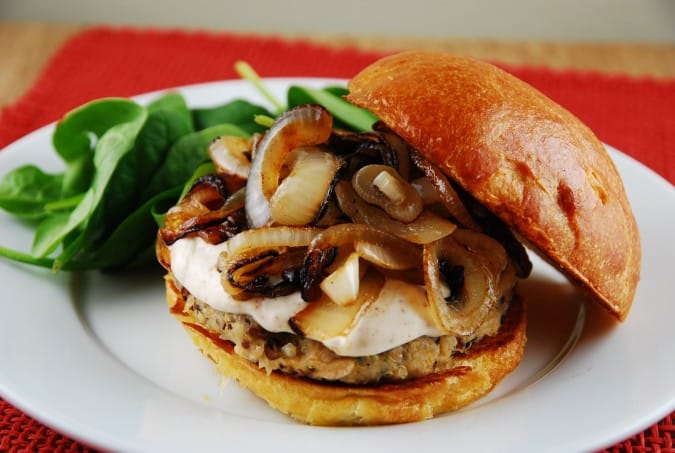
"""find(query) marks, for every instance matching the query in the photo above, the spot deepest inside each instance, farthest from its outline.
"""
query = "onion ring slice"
(301, 195)
(306, 125)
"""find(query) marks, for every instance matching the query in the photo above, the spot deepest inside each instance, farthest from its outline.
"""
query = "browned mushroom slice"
(465, 275)
(264, 261)
(446, 192)
(382, 186)
(427, 227)
(205, 205)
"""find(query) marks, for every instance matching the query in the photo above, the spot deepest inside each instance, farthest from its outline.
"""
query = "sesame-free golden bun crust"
(316, 403)
(524, 157)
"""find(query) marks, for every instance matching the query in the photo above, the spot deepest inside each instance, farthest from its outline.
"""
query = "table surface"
(28, 46)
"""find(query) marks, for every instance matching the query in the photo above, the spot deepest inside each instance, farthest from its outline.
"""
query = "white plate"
(99, 357)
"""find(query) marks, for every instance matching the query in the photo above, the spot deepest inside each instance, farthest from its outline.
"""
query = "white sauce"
(390, 321)
(193, 263)
(393, 319)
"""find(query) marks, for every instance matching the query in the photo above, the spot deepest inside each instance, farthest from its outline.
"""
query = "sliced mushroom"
(206, 205)
(446, 192)
(382, 186)
(460, 307)
(264, 261)
(427, 227)
(271, 273)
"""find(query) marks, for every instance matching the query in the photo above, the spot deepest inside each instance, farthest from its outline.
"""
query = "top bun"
(524, 157)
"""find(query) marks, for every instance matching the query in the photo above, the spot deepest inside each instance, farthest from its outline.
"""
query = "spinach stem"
(64, 204)
(263, 120)
(26, 258)
(246, 72)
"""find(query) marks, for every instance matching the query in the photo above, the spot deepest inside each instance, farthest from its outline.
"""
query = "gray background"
(574, 20)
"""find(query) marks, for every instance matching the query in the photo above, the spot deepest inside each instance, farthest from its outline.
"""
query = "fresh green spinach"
(27, 190)
(347, 114)
(237, 112)
(126, 164)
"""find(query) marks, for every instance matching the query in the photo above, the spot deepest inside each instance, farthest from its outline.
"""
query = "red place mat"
(631, 114)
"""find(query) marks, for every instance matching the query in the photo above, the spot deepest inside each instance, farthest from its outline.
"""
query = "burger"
(362, 278)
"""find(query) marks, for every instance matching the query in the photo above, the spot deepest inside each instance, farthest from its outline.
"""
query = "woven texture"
(634, 115)
(657, 439)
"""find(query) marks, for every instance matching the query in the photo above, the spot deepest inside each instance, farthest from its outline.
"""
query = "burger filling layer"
(298, 355)
(338, 256)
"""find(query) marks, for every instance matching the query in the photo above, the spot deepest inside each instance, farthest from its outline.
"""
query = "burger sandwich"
(360, 278)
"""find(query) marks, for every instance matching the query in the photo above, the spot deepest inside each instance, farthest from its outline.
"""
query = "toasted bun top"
(521, 155)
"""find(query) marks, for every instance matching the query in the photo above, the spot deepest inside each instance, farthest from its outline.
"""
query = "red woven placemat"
(634, 115)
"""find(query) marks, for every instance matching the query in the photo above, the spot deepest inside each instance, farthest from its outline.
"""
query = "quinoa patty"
(297, 355)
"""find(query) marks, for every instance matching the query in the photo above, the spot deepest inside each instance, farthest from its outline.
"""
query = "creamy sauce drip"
(393, 319)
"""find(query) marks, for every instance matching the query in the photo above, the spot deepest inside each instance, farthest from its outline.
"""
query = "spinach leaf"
(51, 226)
(77, 134)
(131, 237)
(126, 165)
(26, 190)
(186, 155)
(351, 116)
(337, 90)
(176, 103)
(110, 148)
(124, 190)
(238, 112)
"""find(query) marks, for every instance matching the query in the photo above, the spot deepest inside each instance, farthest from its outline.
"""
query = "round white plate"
(99, 358)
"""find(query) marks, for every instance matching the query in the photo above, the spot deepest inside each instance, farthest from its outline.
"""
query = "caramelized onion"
(381, 185)
(372, 244)
(301, 195)
(342, 284)
(269, 238)
(230, 155)
(324, 319)
(202, 207)
(482, 261)
(384, 249)
(306, 125)
(445, 190)
(427, 227)
(426, 190)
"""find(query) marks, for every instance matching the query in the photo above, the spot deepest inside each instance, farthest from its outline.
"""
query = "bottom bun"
(474, 375)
